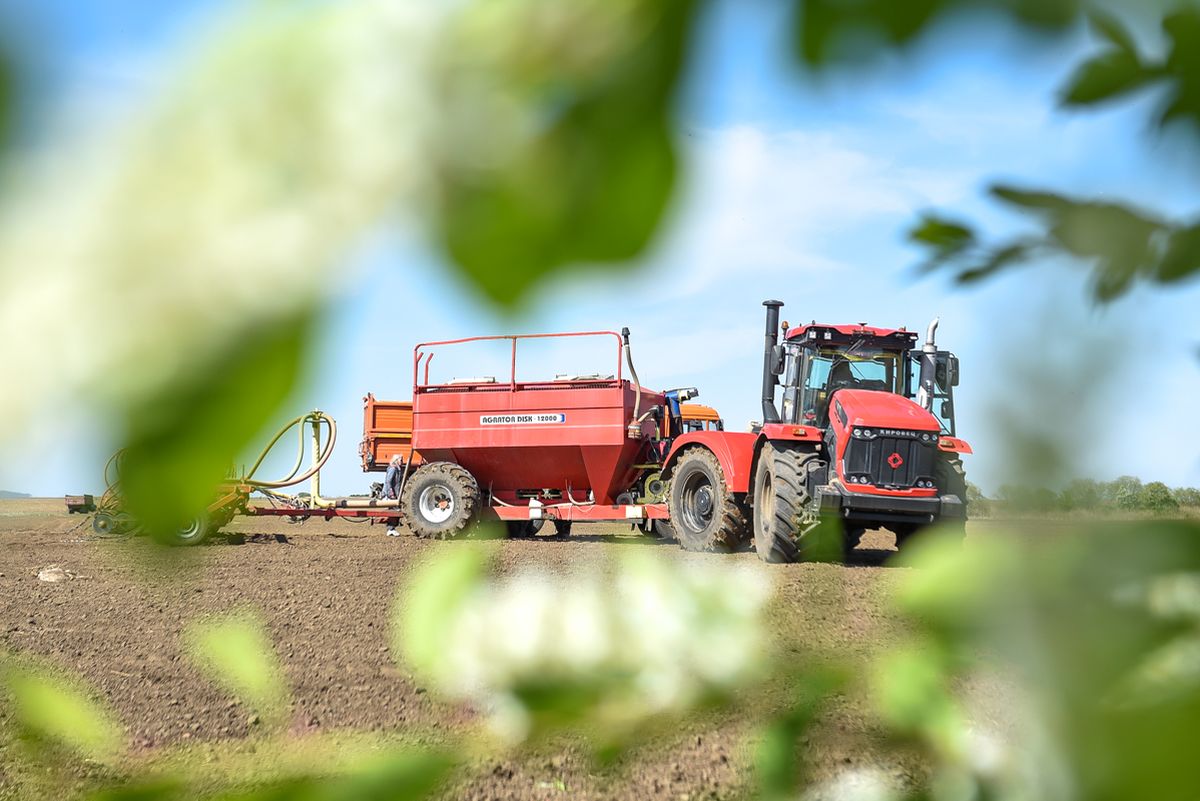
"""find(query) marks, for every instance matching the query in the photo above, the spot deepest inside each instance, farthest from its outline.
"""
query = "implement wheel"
(441, 500)
(193, 532)
(704, 514)
(105, 524)
(522, 529)
(783, 509)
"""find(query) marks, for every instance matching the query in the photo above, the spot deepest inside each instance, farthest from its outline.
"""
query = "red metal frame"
(419, 385)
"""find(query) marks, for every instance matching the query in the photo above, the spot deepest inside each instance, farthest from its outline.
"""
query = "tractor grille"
(898, 459)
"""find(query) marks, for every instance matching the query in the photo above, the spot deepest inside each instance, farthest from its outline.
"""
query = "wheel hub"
(436, 503)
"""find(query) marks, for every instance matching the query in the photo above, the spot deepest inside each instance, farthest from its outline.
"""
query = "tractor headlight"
(858, 432)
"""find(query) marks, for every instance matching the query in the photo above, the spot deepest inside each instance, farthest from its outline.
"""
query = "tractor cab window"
(826, 371)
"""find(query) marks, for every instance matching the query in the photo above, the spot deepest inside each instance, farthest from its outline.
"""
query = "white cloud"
(773, 201)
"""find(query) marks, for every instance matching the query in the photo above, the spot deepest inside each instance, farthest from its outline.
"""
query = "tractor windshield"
(814, 374)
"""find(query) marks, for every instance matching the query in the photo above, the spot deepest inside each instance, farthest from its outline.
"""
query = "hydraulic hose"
(320, 456)
(635, 427)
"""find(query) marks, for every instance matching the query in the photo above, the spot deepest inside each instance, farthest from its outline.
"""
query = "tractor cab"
(819, 360)
(816, 360)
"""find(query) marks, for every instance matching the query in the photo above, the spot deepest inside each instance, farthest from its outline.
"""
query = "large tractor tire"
(705, 516)
(440, 500)
(951, 479)
(783, 508)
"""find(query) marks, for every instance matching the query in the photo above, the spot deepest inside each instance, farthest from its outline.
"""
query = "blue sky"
(798, 189)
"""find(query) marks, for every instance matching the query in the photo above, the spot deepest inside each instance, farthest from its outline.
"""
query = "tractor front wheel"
(783, 509)
(705, 516)
(441, 500)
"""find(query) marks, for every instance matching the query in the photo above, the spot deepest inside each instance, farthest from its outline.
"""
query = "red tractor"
(864, 436)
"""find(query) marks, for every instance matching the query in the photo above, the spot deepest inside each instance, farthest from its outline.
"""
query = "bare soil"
(326, 591)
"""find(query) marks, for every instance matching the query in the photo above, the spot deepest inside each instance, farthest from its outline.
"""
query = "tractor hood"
(865, 407)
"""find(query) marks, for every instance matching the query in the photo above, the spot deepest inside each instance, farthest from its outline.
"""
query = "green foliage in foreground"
(1093, 634)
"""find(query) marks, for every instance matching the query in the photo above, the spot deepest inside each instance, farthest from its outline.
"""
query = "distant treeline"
(1126, 493)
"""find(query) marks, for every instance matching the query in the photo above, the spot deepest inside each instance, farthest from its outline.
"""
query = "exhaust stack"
(770, 413)
(928, 368)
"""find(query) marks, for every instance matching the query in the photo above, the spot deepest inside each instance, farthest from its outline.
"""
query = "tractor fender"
(954, 445)
(791, 433)
(735, 452)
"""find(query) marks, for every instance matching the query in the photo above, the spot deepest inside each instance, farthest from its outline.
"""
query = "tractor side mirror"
(947, 409)
(946, 375)
(777, 359)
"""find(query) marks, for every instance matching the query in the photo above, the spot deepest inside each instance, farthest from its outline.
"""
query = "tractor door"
(945, 380)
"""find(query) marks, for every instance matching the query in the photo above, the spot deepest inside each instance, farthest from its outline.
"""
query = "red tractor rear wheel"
(705, 516)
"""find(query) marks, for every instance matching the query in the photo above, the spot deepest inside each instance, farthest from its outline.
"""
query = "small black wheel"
(704, 514)
(562, 528)
(441, 500)
(852, 535)
(660, 529)
(522, 529)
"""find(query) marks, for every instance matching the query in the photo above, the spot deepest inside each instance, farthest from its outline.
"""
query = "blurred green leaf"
(825, 543)
(1119, 243)
(236, 652)
(951, 594)
(592, 183)
(1182, 68)
(777, 763)
(1105, 77)
(50, 708)
(164, 789)
(437, 590)
(1078, 617)
(181, 443)
(996, 260)
(402, 776)
(1182, 257)
(1112, 30)
(946, 237)
(1111, 73)
(825, 27)
(912, 690)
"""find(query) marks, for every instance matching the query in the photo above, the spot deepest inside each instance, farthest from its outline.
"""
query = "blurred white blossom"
(653, 636)
(860, 784)
(129, 260)
(133, 258)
